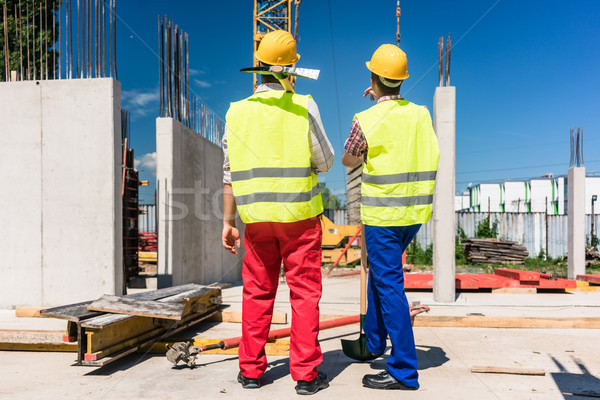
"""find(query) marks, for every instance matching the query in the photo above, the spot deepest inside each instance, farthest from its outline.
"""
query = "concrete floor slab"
(445, 357)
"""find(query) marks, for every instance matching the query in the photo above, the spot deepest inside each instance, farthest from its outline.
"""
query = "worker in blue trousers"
(395, 142)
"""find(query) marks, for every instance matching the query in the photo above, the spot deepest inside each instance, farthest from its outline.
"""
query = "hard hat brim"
(399, 78)
(295, 60)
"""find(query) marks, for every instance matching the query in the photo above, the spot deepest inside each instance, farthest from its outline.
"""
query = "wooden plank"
(514, 290)
(141, 308)
(124, 352)
(71, 332)
(29, 312)
(236, 316)
(99, 339)
(46, 347)
(508, 370)
(518, 274)
(507, 322)
(109, 319)
(219, 285)
(78, 311)
(590, 278)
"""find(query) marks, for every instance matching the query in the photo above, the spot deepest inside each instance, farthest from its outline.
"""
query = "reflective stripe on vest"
(399, 175)
(269, 144)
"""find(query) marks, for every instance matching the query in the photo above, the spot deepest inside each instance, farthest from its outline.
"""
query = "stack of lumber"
(112, 327)
(353, 194)
(494, 251)
(592, 256)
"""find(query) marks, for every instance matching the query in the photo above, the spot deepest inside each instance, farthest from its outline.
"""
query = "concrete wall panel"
(62, 167)
(189, 185)
(20, 202)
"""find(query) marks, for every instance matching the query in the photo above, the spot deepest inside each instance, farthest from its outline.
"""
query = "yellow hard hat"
(277, 48)
(389, 61)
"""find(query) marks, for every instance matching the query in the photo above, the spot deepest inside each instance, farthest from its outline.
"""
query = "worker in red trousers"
(395, 143)
(274, 147)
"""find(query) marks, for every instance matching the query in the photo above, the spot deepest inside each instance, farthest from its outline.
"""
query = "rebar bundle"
(576, 148)
(441, 69)
(39, 34)
(176, 100)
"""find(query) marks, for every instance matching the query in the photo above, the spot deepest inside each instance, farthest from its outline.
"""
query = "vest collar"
(264, 87)
(384, 98)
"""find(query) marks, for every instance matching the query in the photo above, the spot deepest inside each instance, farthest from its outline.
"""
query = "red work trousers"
(298, 244)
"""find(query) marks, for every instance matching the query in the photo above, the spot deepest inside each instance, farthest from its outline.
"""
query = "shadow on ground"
(576, 385)
(427, 357)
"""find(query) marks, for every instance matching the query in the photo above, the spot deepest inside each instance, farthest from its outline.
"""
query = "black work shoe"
(248, 383)
(384, 380)
(312, 387)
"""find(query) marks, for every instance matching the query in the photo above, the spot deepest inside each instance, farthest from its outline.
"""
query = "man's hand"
(369, 91)
(351, 161)
(231, 238)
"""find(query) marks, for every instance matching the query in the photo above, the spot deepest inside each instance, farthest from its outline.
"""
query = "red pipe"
(285, 332)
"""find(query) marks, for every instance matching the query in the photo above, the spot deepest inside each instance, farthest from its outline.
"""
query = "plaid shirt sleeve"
(356, 144)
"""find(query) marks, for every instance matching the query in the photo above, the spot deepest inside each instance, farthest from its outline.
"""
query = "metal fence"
(147, 219)
(529, 229)
(338, 217)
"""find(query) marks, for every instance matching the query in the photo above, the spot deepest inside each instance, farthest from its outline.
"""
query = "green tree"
(485, 230)
(330, 201)
(22, 21)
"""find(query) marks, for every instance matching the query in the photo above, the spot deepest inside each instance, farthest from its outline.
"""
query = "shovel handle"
(363, 272)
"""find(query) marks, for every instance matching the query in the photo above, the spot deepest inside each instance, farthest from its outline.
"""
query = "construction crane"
(270, 15)
(398, 23)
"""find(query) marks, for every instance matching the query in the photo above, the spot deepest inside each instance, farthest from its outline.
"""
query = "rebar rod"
(46, 37)
(448, 49)
(33, 44)
(77, 61)
(95, 38)
(60, 42)
(41, 41)
(582, 162)
(440, 61)
(160, 67)
(110, 34)
(6, 50)
(103, 51)
(27, 26)
(53, 40)
(20, 41)
(114, 15)
(89, 38)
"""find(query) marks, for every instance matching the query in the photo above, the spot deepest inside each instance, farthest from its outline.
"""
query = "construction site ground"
(445, 356)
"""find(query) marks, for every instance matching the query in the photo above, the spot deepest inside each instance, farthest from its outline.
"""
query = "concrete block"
(189, 184)
(63, 162)
(444, 120)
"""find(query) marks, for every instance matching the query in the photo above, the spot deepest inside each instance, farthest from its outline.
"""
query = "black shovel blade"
(357, 349)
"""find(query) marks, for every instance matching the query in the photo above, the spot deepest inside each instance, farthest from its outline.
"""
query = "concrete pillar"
(444, 123)
(576, 222)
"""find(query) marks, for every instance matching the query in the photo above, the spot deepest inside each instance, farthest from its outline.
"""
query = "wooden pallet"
(105, 337)
(501, 278)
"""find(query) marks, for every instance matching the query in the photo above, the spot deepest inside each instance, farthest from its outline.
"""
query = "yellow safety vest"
(398, 177)
(269, 144)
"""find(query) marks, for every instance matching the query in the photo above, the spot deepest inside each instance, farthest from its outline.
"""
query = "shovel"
(357, 349)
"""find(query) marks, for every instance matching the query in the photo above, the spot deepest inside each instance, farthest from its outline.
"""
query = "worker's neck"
(268, 79)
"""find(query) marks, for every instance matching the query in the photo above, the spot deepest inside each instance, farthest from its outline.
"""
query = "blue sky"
(525, 72)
